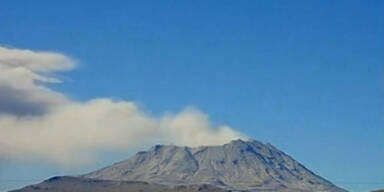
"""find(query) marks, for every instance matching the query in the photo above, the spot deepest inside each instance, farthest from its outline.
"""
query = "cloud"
(35, 61)
(39, 123)
(20, 75)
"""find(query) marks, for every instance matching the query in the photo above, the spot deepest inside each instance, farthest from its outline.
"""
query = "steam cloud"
(39, 123)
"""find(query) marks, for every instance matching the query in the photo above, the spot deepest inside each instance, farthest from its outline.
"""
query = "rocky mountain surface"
(237, 166)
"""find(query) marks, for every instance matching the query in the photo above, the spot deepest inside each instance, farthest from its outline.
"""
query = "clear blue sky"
(307, 76)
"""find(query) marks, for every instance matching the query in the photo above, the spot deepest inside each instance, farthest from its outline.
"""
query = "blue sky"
(306, 76)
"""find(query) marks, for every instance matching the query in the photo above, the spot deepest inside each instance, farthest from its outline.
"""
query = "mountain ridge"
(238, 165)
(247, 166)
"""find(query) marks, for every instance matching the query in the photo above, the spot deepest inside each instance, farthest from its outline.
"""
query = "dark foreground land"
(73, 184)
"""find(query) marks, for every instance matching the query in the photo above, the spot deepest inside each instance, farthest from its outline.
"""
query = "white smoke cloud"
(39, 123)
(20, 74)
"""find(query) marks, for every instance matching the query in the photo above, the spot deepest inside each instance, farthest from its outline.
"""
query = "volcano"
(236, 166)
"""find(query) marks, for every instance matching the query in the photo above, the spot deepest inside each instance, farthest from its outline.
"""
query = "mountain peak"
(237, 165)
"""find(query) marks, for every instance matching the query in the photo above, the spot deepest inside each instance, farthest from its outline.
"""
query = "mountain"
(237, 166)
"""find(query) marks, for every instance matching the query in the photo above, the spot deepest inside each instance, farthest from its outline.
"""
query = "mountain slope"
(238, 165)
